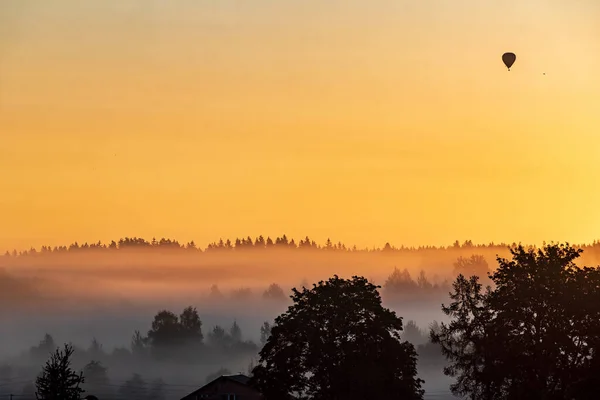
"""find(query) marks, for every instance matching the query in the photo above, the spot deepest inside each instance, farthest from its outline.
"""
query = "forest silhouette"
(406, 273)
(260, 242)
(165, 268)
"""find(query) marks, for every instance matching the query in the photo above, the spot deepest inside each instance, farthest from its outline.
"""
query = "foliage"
(139, 345)
(166, 330)
(535, 335)
(337, 341)
(58, 381)
(474, 265)
(274, 292)
(401, 286)
(95, 351)
(215, 293)
(95, 373)
(399, 281)
(191, 326)
(170, 332)
(44, 349)
(422, 281)
(218, 337)
(468, 340)
(96, 377)
(413, 334)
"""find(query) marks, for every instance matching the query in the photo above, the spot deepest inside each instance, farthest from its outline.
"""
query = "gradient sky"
(363, 121)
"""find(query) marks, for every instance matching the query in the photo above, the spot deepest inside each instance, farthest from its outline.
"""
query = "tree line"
(259, 243)
(400, 284)
(172, 340)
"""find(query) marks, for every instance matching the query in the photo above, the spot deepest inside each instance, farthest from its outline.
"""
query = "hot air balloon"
(509, 59)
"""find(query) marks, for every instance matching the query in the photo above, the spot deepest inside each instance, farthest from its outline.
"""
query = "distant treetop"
(259, 243)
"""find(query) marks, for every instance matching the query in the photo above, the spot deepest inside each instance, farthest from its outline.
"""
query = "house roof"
(237, 378)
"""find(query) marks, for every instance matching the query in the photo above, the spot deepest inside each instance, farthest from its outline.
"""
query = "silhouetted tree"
(274, 292)
(468, 341)
(413, 333)
(95, 351)
(422, 281)
(139, 345)
(474, 265)
(260, 243)
(44, 349)
(215, 293)
(399, 282)
(191, 327)
(218, 337)
(430, 354)
(173, 336)
(165, 333)
(95, 373)
(58, 381)
(96, 377)
(337, 341)
(165, 328)
(535, 335)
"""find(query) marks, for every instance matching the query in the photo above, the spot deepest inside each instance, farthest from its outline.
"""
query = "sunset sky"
(363, 121)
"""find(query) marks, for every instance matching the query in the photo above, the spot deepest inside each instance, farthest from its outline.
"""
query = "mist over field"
(79, 294)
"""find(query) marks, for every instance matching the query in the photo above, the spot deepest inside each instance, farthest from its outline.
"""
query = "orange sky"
(362, 121)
